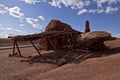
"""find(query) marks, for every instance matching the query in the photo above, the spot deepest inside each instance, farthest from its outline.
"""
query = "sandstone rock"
(60, 62)
(93, 40)
(56, 25)
(101, 35)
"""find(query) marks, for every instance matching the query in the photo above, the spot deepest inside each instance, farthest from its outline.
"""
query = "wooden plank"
(35, 48)
(18, 48)
(40, 35)
(52, 44)
(13, 47)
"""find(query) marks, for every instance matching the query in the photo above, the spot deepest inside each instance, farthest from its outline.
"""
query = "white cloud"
(3, 9)
(21, 25)
(111, 9)
(41, 18)
(83, 6)
(1, 29)
(4, 32)
(3, 35)
(74, 4)
(82, 11)
(106, 1)
(117, 35)
(100, 11)
(102, 6)
(0, 25)
(92, 11)
(21, 20)
(99, 3)
(33, 1)
(34, 23)
(56, 3)
(12, 29)
(15, 12)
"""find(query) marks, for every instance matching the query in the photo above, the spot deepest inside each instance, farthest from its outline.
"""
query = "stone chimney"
(87, 27)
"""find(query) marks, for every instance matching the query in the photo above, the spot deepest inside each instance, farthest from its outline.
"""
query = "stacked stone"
(87, 27)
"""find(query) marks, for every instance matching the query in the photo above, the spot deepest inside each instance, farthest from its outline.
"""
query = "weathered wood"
(52, 44)
(14, 47)
(35, 48)
(44, 35)
(41, 35)
(18, 48)
(54, 34)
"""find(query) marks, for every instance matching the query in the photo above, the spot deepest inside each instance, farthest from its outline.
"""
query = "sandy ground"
(99, 65)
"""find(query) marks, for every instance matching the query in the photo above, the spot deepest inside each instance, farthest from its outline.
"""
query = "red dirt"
(104, 67)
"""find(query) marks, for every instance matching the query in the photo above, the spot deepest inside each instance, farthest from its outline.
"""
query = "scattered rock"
(60, 62)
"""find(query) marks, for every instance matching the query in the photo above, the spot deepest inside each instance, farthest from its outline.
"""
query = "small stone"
(60, 62)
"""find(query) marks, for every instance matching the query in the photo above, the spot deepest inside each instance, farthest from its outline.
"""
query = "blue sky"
(21, 17)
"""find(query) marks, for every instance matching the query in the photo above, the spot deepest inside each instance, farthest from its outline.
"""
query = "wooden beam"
(18, 48)
(35, 48)
(13, 47)
(41, 35)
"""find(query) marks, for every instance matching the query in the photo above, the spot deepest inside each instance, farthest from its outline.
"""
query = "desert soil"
(98, 65)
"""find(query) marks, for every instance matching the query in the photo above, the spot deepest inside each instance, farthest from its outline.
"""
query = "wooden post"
(74, 39)
(13, 47)
(18, 48)
(35, 48)
(52, 44)
(71, 39)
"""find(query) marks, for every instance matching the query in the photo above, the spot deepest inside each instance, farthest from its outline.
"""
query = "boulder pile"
(96, 35)
(93, 40)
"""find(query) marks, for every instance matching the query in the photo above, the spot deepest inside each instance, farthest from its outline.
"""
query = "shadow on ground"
(70, 56)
